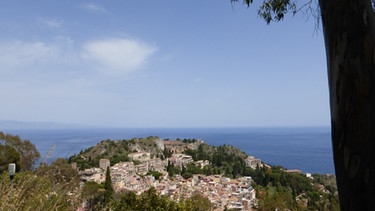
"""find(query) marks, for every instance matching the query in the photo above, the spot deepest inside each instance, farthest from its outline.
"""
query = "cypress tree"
(108, 194)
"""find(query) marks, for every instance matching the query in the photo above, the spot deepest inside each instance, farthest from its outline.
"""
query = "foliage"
(155, 174)
(273, 10)
(60, 172)
(108, 187)
(272, 198)
(148, 200)
(172, 169)
(28, 191)
(167, 153)
(28, 152)
(226, 158)
(126, 201)
(8, 155)
(198, 202)
(92, 194)
(189, 140)
(277, 189)
(116, 151)
(277, 177)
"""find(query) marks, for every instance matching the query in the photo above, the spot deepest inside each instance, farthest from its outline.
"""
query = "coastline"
(304, 148)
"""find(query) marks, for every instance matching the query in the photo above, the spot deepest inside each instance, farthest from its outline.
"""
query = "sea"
(308, 149)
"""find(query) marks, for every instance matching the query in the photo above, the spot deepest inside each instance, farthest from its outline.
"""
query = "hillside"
(118, 151)
(179, 160)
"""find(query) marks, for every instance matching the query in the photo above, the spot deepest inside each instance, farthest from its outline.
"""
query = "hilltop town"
(179, 169)
(223, 192)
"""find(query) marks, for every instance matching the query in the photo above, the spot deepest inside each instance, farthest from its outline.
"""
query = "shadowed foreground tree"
(349, 33)
(27, 150)
(8, 155)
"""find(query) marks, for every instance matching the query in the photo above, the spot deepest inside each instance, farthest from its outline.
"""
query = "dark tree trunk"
(349, 31)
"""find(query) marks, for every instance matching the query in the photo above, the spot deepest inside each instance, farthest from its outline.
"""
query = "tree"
(28, 152)
(349, 29)
(349, 33)
(60, 173)
(128, 201)
(8, 155)
(198, 202)
(92, 193)
(108, 194)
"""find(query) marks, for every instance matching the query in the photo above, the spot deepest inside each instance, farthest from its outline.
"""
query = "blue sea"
(306, 149)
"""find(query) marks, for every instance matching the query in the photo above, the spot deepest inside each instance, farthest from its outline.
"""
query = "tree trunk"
(349, 31)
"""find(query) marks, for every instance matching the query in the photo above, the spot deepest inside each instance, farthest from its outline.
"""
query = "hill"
(276, 187)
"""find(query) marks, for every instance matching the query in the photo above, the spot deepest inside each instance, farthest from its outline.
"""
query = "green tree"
(349, 34)
(28, 152)
(186, 175)
(108, 187)
(127, 201)
(61, 173)
(92, 194)
(155, 174)
(271, 199)
(198, 202)
(8, 155)
(172, 169)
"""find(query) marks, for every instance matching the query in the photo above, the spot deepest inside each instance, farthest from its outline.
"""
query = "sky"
(160, 63)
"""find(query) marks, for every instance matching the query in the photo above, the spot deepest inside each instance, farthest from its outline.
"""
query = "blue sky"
(159, 64)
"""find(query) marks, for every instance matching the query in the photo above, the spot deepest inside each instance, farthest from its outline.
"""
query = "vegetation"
(148, 200)
(277, 189)
(28, 191)
(8, 155)
(21, 152)
(60, 173)
(188, 140)
(224, 159)
(116, 151)
(155, 174)
(108, 187)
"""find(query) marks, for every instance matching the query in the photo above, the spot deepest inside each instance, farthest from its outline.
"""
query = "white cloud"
(118, 55)
(94, 8)
(51, 23)
(64, 56)
(18, 54)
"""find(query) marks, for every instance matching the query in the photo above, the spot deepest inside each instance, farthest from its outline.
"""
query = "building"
(139, 156)
(253, 162)
(181, 159)
(104, 163)
(92, 174)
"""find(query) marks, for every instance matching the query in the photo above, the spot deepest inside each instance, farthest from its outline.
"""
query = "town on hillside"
(134, 175)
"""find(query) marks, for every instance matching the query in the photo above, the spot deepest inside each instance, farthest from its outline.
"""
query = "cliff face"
(159, 143)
